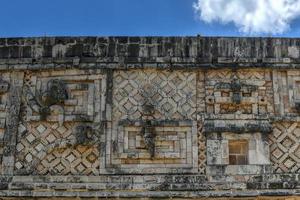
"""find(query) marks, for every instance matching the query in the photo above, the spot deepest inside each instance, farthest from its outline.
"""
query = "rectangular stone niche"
(176, 149)
(219, 153)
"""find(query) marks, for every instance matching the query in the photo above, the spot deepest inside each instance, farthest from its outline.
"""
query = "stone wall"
(127, 117)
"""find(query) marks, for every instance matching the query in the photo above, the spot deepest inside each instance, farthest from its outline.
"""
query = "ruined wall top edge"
(120, 52)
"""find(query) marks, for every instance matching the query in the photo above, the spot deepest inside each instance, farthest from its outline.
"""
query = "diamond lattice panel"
(44, 148)
(285, 147)
(173, 94)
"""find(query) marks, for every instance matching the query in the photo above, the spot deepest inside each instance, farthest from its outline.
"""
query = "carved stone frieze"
(238, 93)
(237, 126)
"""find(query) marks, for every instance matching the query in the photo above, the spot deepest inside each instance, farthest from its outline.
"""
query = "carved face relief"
(56, 92)
(84, 134)
(148, 133)
(64, 96)
(238, 92)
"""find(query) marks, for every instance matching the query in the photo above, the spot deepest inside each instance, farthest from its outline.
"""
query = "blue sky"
(113, 17)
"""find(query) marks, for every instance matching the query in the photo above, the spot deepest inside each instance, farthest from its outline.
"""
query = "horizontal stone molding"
(157, 52)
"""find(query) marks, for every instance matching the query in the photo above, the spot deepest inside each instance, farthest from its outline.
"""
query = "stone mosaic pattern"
(173, 97)
(84, 90)
(256, 96)
(47, 148)
(200, 113)
(170, 146)
(75, 160)
(285, 147)
(173, 94)
(182, 102)
(202, 148)
(286, 89)
(50, 146)
(175, 149)
(148, 117)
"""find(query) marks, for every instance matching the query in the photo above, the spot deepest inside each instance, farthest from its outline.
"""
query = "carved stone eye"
(210, 100)
(262, 100)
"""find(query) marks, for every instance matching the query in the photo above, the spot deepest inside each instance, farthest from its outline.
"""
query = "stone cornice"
(156, 52)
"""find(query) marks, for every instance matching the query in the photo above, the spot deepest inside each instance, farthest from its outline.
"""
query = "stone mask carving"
(148, 132)
(84, 134)
(236, 89)
(55, 94)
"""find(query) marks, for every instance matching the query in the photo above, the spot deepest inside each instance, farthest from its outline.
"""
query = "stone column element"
(12, 121)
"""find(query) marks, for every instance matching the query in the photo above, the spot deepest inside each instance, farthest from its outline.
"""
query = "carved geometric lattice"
(49, 148)
(285, 147)
(200, 113)
(76, 160)
(202, 148)
(47, 140)
(173, 94)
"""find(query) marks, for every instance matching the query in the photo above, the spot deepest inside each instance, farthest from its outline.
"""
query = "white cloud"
(250, 16)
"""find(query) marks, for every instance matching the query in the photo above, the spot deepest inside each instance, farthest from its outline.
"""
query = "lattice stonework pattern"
(162, 102)
(51, 137)
(202, 148)
(200, 114)
(172, 94)
(47, 148)
(246, 92)
(285, 147)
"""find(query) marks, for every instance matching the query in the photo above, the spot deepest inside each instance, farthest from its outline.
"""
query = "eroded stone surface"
(149, 117)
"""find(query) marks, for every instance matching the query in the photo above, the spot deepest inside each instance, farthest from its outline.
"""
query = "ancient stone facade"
(149, 117)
